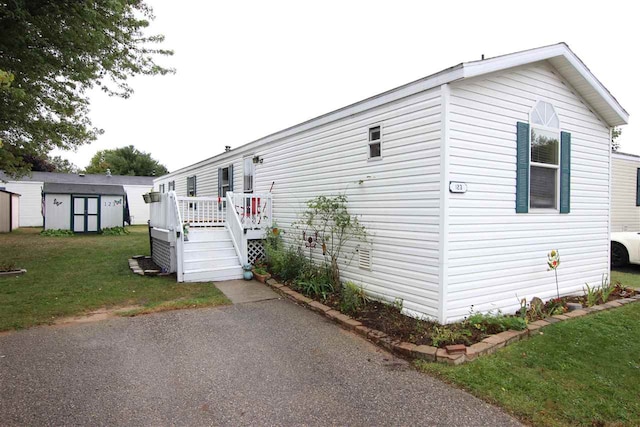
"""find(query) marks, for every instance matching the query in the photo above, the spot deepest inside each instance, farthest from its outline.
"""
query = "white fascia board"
(426, 83)
(477, 68)
(625, 156)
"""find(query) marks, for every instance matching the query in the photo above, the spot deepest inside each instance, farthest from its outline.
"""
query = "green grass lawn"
(73, 275)
(584, 371)
(628, 276)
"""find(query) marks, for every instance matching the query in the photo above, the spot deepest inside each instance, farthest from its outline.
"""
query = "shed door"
(85, 214)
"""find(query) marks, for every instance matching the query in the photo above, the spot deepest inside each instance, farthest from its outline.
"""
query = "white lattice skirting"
(255, 249)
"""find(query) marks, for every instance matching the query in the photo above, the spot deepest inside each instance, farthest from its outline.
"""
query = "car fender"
(631, 241)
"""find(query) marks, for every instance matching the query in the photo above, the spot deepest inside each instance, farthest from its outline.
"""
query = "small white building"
(9, 211)
(625, 192)
(31, 189)
(83, 208)
(464, 179)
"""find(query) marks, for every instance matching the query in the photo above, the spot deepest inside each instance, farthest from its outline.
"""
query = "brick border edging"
(135, 267)
(454, 354)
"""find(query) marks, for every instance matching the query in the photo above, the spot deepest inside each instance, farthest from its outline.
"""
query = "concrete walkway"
(242, 291)
(270, 362)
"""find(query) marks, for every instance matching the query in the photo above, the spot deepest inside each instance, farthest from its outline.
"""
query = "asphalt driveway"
(264, 363)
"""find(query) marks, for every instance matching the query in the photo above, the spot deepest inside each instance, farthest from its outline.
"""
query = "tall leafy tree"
(51, 53)
(125, 161)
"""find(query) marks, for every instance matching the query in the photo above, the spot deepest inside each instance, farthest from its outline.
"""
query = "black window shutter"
(195, 189)
(565, 172)
(522, 168)
(231, 177)
(638, 187)
(219, 182)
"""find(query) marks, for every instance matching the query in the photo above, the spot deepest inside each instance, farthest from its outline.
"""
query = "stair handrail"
(179, 232)
(236, 230)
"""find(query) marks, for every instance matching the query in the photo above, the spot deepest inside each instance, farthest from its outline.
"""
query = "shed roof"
(62, 188)
(2, 190)
(72, 178)
(560, 56)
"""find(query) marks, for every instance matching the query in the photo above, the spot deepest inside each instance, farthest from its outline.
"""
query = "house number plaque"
(457, 187)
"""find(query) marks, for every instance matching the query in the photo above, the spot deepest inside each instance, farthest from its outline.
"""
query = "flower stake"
(553, 260)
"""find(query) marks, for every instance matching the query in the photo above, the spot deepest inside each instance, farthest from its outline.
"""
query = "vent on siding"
(364, 258)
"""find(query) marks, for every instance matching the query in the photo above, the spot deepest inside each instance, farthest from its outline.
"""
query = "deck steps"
(209, 256)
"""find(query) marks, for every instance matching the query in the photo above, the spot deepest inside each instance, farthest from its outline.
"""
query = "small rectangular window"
(162, 188)
(375, 142)
(172, 186)
(191, 186)
(248, 173)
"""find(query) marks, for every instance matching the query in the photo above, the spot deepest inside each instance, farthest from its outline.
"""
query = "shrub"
(317, 286)
(491, 323)
(287, 264)
(114, 231)
(329, 219)
(353, 298)
(444, 335)
(57, 233)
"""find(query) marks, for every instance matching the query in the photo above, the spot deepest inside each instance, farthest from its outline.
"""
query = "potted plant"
(185, 231)
(261, 274)
(247, 274)
(154, 196)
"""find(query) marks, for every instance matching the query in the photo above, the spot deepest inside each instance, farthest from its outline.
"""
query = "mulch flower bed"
(459, 342)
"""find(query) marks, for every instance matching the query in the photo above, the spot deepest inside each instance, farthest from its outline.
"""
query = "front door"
(85, 214)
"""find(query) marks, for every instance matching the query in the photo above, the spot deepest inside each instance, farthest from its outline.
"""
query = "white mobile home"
(465, 180)
(625, 192)
(31, 186)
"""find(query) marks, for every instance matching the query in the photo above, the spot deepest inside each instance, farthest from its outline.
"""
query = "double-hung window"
(375, 142)
(172, 186)
(543, 177)
(191, 186)
(248, 172)
(545, 157)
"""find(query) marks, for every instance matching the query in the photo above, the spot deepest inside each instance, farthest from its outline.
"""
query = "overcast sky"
(248, 69)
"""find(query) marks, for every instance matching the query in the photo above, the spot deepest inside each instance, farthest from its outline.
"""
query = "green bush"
(491, 323)
(114, 231)
(57, 233)
(287, 264)
(353, 298)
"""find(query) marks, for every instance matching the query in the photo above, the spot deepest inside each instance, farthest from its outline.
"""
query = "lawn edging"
(452, 354)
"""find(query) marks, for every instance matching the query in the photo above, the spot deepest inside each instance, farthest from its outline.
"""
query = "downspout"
(443, 245)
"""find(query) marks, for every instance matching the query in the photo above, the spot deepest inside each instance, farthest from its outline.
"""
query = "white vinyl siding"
(625, 215)
(58, 211)
(30, 201)
(138, 209)
(397, 199)
(495, 256)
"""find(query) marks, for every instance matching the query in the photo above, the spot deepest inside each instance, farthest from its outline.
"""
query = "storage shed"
(9, 211)
(625, 192)
(83, 208)
(30, 187)
(464, 179)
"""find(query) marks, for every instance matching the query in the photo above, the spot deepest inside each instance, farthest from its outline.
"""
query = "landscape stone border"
(13, 272)
(453, 354)
(135, 267)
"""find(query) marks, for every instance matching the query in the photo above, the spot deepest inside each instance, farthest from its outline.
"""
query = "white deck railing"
(202, 211)
(246, 216)
(236, 230)
(253, 209)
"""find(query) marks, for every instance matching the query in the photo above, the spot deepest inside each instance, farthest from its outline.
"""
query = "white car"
(625, 248)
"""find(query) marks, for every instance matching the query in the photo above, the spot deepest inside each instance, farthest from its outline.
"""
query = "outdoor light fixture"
(257, 159)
